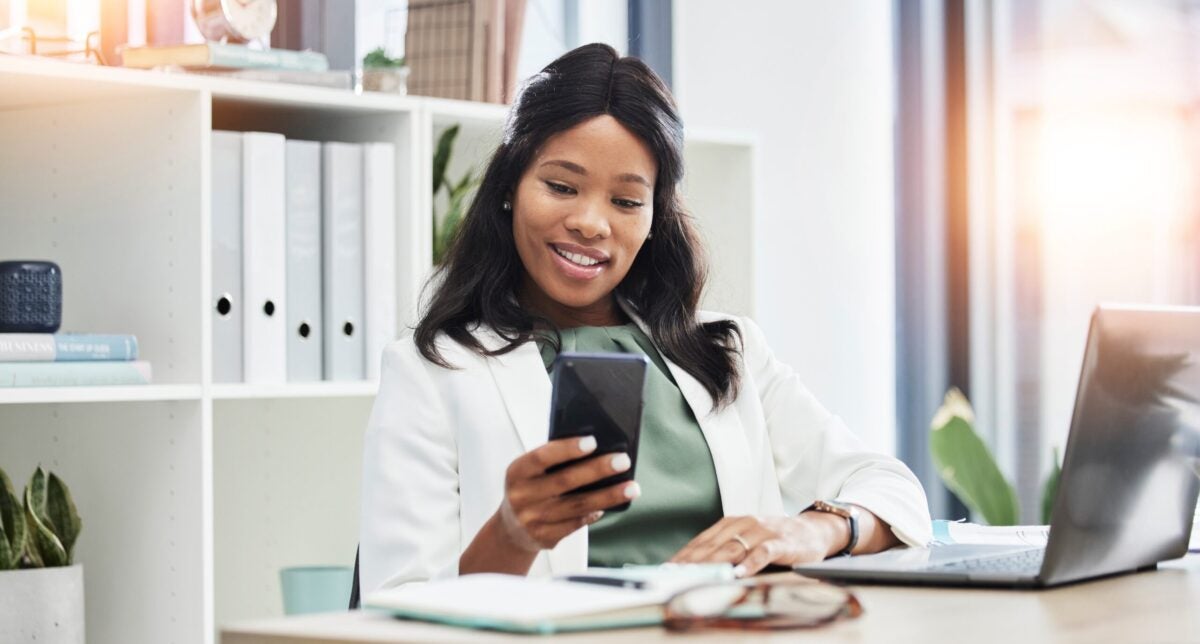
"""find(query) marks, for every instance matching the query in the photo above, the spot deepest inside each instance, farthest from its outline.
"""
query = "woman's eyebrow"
(628, 177)
(567, 165)
(634, 178)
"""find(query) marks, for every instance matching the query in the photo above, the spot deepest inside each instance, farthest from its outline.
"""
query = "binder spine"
(265, 255)
(342, 241)
(379, 251)
(227, 303)
(305, 329)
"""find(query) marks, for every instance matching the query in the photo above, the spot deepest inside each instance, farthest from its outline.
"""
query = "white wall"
(543, 37)
(379, 23)
(546, 37)
(604, 21)
(814, 81)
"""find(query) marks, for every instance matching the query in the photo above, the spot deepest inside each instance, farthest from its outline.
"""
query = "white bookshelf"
(362, 389)
(124, 393)
(194, 494)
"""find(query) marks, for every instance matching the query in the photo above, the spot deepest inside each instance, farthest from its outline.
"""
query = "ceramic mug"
(315, 589)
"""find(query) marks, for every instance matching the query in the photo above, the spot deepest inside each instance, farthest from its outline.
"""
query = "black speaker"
(30, 297)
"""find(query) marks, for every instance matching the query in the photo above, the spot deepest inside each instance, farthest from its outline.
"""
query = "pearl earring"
(507, 205)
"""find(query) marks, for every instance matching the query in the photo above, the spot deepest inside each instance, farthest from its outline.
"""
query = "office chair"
(355, 601)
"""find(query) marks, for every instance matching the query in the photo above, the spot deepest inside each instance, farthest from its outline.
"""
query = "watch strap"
(846, 511)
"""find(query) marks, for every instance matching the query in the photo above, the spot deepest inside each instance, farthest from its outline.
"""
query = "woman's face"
(581, 213)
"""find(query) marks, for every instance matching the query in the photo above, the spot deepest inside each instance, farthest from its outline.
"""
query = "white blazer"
(439, 440)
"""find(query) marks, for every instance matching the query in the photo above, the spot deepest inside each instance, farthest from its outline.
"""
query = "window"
(1083, 138)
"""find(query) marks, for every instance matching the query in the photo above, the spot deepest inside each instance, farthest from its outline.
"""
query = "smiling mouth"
(578, 259)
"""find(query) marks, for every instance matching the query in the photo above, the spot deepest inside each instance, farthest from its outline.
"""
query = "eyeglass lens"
(785, 605)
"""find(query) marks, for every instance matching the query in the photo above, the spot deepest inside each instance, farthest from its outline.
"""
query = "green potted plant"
(382, 73)
(41, 590)
(457, 192)
(968, 469)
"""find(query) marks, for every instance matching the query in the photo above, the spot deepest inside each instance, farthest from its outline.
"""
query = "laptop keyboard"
(1025, 563)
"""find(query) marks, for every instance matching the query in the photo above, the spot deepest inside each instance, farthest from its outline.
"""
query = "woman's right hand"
(537, 513)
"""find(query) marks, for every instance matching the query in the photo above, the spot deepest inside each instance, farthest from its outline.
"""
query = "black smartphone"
(599, 394)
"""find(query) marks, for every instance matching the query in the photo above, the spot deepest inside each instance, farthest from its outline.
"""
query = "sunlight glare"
(1112, 165)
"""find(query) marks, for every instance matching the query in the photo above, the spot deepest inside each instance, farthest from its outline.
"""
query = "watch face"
(836, 507)
(250, 19)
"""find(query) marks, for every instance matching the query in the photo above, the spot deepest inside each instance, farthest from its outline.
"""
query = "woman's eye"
(560, 188)
(626, 203)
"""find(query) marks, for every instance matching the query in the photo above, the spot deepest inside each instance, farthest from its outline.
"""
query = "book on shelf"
(74, 374)
(214, 55)
(66, 347)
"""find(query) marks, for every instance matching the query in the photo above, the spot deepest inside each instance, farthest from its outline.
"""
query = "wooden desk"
(1161, 606)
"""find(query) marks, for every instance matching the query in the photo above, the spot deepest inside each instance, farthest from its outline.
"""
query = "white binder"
(303, 201)
(264, 250)
(342, 240)
(379, 251)
(227, 304)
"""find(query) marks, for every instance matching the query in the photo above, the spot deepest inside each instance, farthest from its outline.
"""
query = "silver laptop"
(1128, 491)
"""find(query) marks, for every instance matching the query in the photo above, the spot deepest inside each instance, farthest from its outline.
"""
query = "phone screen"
(599, 395)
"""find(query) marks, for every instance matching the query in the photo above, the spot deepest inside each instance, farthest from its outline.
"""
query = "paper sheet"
(952, 532)
(669, 578)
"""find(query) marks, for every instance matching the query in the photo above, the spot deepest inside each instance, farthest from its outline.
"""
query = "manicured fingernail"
(633, 490)
(620, 462)
(595, 516)
(587, 444)
(739, 571)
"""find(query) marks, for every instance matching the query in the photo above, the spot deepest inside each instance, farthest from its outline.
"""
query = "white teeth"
(576, 258)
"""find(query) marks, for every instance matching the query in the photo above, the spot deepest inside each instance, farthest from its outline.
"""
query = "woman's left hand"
(752, 543)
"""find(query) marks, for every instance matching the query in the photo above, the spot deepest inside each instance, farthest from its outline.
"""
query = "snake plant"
(12, 525)
(40, 530)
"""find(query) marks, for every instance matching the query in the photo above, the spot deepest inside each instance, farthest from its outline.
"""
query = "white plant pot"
(392, 80)
(43, 605)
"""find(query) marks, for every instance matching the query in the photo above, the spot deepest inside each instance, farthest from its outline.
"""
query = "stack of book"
(240, 61)
(69, 359)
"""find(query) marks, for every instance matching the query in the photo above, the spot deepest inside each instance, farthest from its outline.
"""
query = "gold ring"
(741, 542)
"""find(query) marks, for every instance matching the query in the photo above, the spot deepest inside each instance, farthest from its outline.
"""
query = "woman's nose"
(589, 220)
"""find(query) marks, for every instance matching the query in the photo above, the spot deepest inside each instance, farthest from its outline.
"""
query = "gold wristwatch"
(844, 510)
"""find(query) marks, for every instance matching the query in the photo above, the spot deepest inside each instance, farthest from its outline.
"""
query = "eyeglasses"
(760, 605)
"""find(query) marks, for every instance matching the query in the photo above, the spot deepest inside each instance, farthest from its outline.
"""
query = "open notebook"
(520, 604)
(529, 605)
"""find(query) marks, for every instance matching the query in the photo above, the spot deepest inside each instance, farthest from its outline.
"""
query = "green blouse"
(680, 496)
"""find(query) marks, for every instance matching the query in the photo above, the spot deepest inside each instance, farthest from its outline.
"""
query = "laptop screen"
(1128, 492)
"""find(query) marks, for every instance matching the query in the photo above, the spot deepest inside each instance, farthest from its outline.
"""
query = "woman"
(577, 240)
